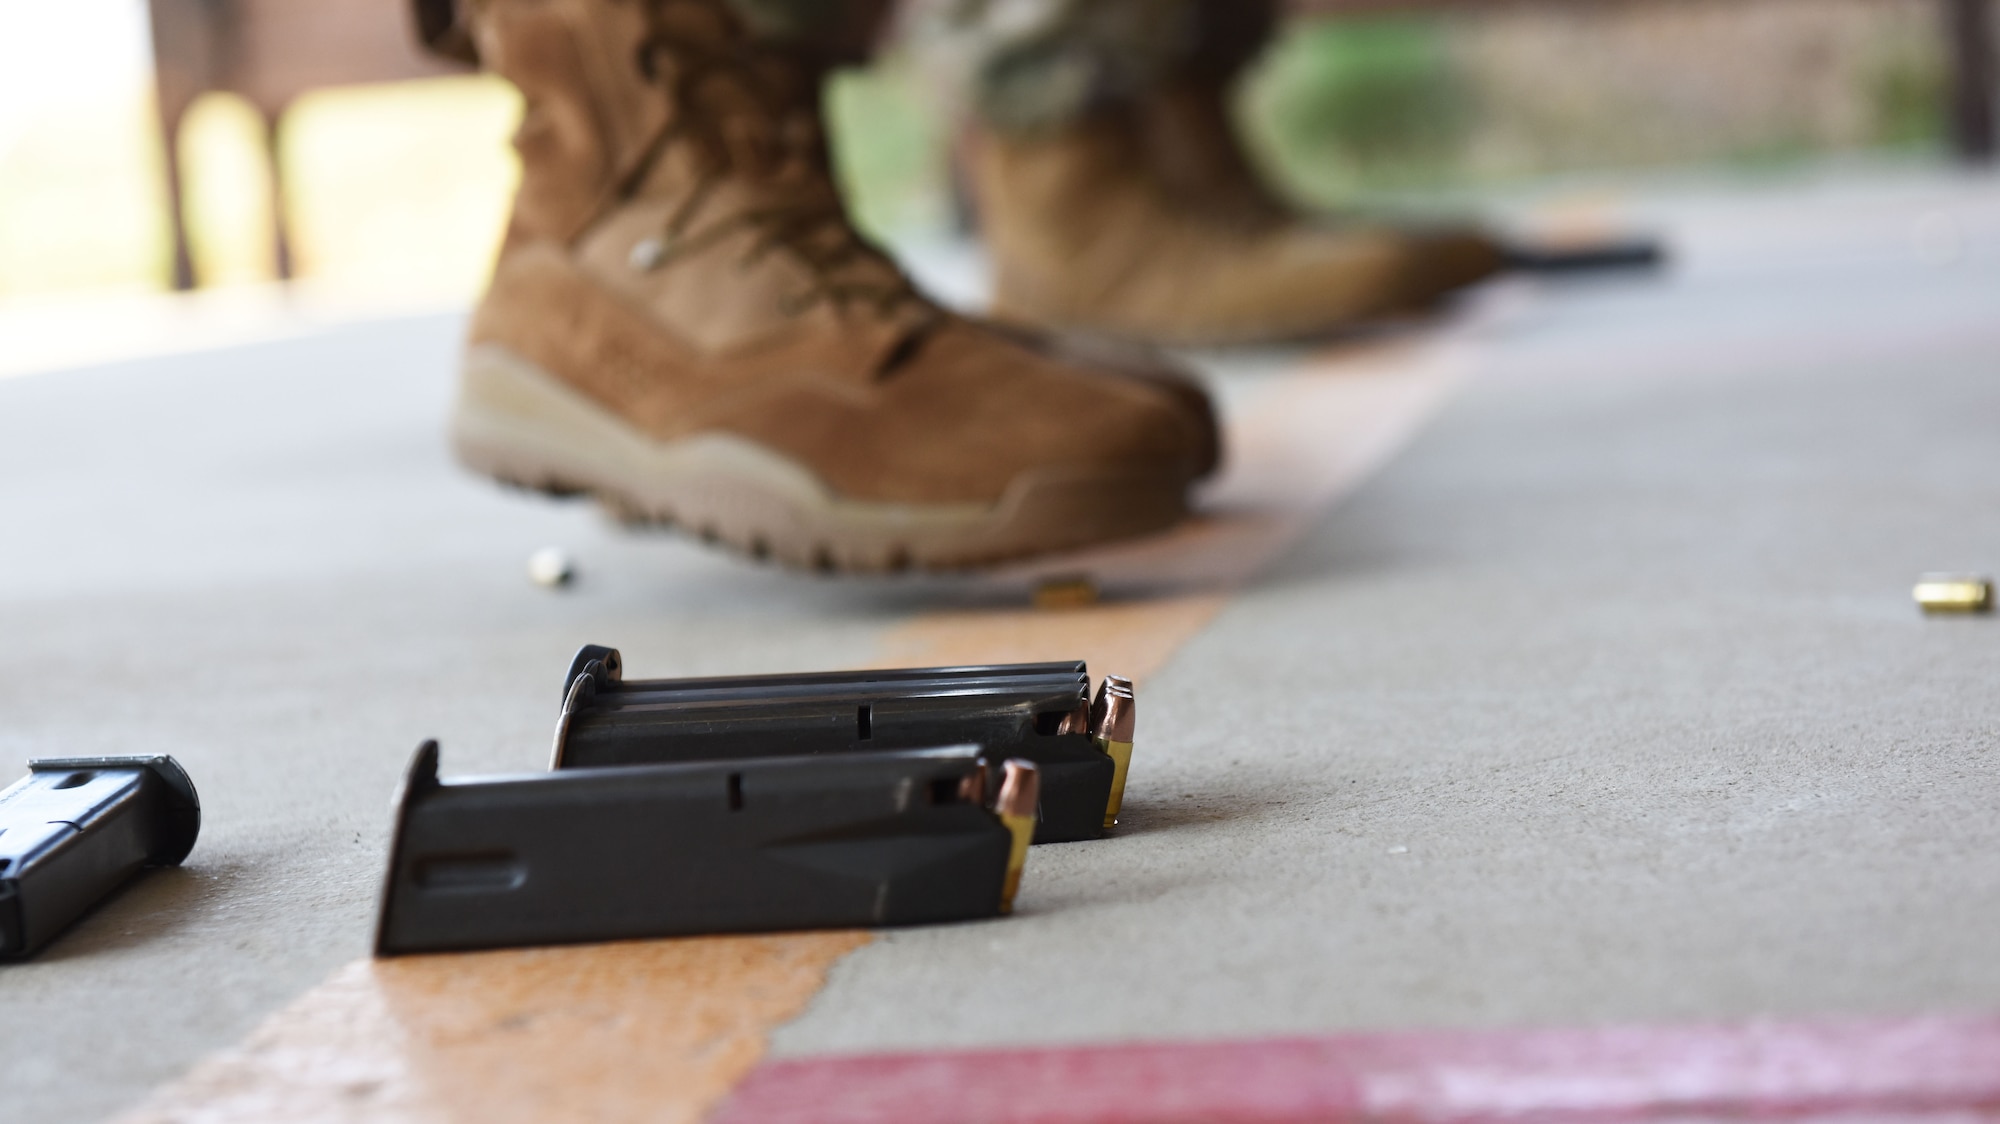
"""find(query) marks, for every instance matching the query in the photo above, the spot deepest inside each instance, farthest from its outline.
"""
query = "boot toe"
(1142, 364)
(1443, 261)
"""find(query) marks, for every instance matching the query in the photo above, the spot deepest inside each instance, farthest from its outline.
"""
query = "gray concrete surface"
(262, 562)
(1605, 702)
(1620, 652)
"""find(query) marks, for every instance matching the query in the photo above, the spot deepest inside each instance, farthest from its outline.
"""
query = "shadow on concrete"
(153, 905)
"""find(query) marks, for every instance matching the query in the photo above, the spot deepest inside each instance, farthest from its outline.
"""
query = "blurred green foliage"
(1337, 106)
(1360, 103)
(1361, 109)
(1908, 95)
(889, 143)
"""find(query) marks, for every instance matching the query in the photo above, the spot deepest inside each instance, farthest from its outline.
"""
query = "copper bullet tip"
(1020, 792)
(1076, 721)
(972, 789)
(1115, 712)
(1100, 706)
(1020, 788)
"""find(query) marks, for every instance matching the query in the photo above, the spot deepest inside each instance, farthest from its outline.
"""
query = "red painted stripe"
(1929, 1069)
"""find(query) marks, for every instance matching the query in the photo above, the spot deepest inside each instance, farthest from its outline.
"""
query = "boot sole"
(519, 424)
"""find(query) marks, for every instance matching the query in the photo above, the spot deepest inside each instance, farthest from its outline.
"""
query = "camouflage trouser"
(1030, 64)
(1014, 64)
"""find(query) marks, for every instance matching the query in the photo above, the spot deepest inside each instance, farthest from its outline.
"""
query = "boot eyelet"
(648, 254)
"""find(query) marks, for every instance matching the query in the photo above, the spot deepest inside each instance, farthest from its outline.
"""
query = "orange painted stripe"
(662, 1030)
(642, 1030)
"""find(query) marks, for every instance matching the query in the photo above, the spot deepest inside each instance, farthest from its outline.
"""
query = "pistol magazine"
(76, 828)
(1035, 712)
(903, 837)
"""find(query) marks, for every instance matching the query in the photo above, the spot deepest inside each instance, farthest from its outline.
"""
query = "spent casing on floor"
(903, 837)
(1954, 593)
(77, 828)
(1040, 712)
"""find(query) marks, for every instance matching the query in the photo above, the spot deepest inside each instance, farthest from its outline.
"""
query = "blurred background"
(393, 193)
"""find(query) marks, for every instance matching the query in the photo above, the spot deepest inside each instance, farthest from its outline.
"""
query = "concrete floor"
(1605, 701)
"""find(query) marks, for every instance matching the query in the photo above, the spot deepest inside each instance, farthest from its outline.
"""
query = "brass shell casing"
(1020, 792)
(1113, 717)
(1073, 591)
(1121, 757)
(1955, 593)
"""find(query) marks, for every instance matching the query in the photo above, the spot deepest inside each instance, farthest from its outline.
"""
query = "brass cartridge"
(1955, 593)
(1113, 715)
(1020, 791)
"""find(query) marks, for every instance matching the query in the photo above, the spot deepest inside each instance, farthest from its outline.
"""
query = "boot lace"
(746, 110)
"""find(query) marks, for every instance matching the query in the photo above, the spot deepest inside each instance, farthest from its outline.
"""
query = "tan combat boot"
(1150, 223)
(683, 323)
